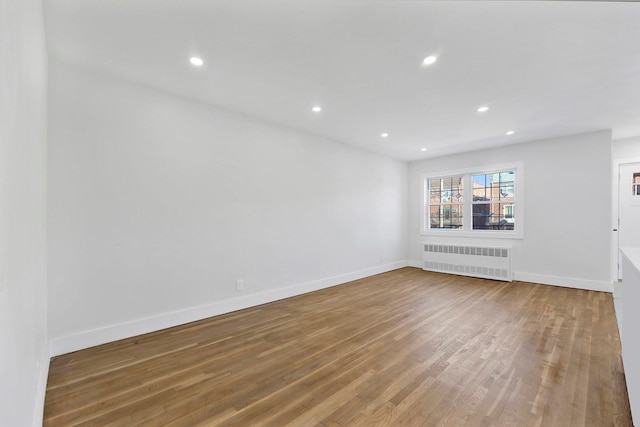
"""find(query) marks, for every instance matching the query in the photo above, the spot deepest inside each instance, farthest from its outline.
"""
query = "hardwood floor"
(406, 347)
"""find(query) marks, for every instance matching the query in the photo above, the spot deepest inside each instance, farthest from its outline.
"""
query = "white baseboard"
(41, 386)
(566, 282)
(414, 263)
(93, 337)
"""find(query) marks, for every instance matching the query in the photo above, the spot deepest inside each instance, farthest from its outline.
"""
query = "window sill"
(475, 234)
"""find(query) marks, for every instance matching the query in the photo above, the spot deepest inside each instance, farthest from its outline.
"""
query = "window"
(508, 212)
(492, 194)
(474, 203)
(445, 202)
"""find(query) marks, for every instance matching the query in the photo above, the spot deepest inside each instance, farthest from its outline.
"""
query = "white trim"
(542, 279)
(566, 282)
(484, 234)
(93, 337)
(133, 328)
(615, 210)
(466, 231)
(415, 263)
(41, 386)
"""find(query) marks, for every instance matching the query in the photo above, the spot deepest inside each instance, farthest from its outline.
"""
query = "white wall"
(24, 349)
(158, 204)
(630, 348)
(567, 184)
(626, 148)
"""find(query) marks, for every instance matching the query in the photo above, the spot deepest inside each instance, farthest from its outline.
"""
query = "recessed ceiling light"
(510, 132)
(423, 149)
(316, 109)
(196, 61)
(384, 135)
(429, 60)
(483, 109)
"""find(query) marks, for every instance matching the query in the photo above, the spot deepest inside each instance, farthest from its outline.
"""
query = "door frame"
(615, 211)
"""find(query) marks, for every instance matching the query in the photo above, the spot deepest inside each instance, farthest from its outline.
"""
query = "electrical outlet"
(239, 285)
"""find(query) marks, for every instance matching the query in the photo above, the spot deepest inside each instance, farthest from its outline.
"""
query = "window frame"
(467, 214)
(445, 205)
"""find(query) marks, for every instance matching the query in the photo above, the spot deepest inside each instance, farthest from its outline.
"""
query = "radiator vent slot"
(477, 261)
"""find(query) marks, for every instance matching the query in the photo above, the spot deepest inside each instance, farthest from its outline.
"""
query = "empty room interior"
(319, 213)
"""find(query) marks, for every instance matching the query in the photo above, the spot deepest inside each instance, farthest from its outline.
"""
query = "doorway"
(627, 228)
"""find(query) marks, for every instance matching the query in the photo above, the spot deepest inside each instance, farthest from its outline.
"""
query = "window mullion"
(468, 197)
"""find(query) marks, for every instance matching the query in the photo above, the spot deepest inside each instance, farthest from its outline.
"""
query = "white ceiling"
(544, 68)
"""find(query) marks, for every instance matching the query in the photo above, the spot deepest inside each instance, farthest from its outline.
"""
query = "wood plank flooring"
(404, 348)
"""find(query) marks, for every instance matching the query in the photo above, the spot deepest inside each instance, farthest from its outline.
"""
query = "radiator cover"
(489, 262)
